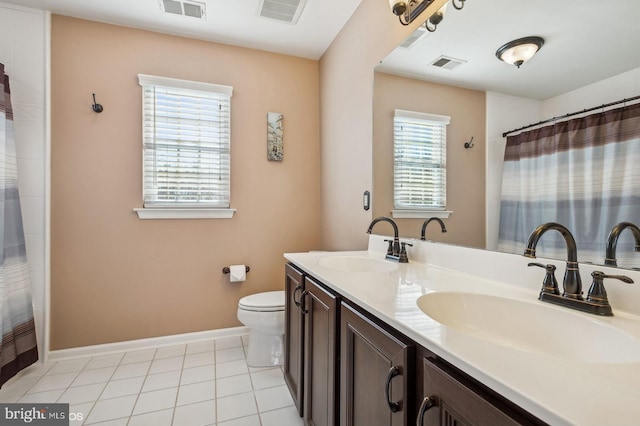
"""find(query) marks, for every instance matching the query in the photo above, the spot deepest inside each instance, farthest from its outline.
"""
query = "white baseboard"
(153, 342)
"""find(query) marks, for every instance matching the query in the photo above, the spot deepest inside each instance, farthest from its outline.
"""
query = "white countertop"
(557, 389)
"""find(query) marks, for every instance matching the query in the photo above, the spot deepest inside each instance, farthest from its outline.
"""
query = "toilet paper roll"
(237, 273)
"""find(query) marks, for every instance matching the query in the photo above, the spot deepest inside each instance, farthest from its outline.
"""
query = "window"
(419, 164)
(186, 148)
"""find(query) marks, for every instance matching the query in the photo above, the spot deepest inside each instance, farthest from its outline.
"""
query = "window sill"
(172, 213)
(420, 214)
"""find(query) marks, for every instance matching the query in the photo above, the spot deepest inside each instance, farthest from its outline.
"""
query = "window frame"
(182, 209)
(420, 211)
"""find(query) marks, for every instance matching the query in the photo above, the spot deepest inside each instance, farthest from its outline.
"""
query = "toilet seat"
(270, 301)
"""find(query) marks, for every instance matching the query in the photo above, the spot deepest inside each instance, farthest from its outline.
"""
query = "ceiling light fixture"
(519, 51)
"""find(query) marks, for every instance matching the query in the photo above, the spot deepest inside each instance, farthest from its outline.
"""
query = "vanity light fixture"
(408, 10)
(519, 51)
(432, 23)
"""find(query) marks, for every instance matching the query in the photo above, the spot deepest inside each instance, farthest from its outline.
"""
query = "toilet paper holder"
(226, 269)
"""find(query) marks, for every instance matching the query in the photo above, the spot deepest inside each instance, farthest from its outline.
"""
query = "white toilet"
(263, 313)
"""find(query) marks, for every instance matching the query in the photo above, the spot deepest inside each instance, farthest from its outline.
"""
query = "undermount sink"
(532, 327)
(357, 264)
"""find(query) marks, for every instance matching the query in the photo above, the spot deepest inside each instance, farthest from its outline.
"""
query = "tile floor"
(205, 383)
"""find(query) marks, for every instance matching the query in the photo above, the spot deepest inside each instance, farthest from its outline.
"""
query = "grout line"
(175, 403)
(154, 357)
(253, 388)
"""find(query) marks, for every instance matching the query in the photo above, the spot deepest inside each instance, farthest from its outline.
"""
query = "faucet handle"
(549, 284)
(403, 253)
(597, 294)
(390, 248)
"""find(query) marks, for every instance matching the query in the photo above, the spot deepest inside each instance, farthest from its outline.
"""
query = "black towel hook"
(96, 107)
(469, 144)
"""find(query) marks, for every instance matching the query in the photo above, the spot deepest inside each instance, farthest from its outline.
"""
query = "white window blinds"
(420, 173)
(186, 143)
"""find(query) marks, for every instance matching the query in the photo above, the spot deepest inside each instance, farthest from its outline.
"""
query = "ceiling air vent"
(447, 63)
(414, 37)
(281, 10)
(186, 8)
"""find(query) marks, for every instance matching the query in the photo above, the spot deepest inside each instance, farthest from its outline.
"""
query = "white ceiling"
(233, 22)
(585, 41)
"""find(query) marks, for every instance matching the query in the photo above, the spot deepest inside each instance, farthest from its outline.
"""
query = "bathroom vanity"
(371, 341)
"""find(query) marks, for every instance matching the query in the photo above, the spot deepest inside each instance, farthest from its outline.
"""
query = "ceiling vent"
(414, 37)
(187, 8)
(281, 10)
(448, 63)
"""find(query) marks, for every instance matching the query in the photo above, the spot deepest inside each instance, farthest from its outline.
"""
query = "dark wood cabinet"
(452, 398)
(320, 310)
(294, 335)
(345, 366)
(375, 376)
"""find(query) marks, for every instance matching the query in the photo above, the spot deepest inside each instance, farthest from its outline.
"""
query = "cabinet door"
(375, 373)
(449, 401)
(293, 335)
(320, 307)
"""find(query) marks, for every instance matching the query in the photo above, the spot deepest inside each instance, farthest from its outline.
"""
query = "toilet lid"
(267, 301)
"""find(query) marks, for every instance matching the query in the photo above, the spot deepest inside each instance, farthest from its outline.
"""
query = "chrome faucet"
(426, 222)
(394, 246)
(596, 302)
(572, 283)
(612, 241)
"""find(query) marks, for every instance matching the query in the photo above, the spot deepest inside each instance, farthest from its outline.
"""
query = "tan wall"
(115, 277)
(465, 167)
(346, 72)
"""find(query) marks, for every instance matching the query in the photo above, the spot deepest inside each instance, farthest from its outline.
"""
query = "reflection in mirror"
(577, 68)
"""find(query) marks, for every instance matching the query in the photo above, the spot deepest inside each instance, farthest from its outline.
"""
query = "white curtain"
(583, 173)
(18, 346)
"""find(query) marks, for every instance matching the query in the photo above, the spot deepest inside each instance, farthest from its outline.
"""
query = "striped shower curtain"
(18, 347)
(583, 173)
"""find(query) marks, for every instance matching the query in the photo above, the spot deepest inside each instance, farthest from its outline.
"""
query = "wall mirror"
(586, 43)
